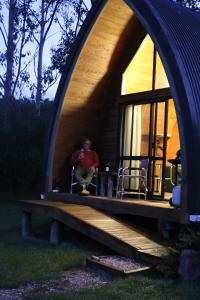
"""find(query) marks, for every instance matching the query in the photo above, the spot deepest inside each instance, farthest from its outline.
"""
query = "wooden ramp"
(99, 226)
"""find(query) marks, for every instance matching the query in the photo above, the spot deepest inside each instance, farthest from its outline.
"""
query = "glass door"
(157, 148)
(135, 138)
(144, 135)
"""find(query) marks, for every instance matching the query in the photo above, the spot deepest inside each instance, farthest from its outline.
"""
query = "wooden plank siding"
(90, 107)
(97, 225)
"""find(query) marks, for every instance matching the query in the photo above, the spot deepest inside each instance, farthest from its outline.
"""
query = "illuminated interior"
(141, 116)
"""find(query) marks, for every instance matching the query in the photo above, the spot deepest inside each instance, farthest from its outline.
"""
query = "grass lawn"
(135, 288)
(22, 261)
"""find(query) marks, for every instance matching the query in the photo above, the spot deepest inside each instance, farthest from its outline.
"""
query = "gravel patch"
(69, 280)
(120, 262)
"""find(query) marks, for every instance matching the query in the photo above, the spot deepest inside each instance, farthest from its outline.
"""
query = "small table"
(106, 179)
(175, 162)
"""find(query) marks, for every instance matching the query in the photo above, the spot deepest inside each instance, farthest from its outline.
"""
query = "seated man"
(85, 161)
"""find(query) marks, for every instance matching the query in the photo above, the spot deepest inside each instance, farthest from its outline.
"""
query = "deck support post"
(164, 229)
(56, 232)
(102, 185)
(26, 224)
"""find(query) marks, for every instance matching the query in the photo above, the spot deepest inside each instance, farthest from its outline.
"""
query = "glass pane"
(131, 183)
(127, 130)
(173, 172)
(173, 144)
(160, 129)
(145, 123)
(138, 75)
(125, 164)
(156, 177)
(161, 78)
(169, 177)
(141, 123)
(136, 130)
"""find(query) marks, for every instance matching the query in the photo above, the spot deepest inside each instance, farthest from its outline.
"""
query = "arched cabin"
(131, 83)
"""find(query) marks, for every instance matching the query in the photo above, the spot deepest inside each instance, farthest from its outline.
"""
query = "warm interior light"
(173, 144)
(161, 78)
(138, 75)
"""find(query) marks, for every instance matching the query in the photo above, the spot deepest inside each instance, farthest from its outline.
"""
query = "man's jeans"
(84, 175)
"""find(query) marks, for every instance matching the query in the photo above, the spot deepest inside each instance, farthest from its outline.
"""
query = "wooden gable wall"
(89, 107)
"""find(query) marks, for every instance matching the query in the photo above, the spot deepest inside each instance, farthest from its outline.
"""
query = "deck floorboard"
(148, 208)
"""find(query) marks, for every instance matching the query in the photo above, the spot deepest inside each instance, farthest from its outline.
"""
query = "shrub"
(22, 139)
(188, 238)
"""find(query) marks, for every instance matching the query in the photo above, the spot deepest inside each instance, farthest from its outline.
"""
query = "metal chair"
(74, 181)
(138, 174)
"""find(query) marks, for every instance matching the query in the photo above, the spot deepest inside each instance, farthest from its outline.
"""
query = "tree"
(10, 49)
(70, 23)
(31, 22)
(14, 36)
(43, 20)
(194, 4)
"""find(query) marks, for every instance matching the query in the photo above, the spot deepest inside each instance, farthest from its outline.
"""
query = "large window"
(145, 71)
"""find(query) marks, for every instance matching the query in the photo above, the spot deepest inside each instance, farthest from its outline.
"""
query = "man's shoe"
(84, 191)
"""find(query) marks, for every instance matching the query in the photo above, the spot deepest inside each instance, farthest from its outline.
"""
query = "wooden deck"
(101, 227)
(160, 210)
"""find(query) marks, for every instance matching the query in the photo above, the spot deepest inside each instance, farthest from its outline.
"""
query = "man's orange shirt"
(90, 159)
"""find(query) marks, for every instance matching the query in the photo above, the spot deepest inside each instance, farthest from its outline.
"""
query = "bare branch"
(18, 40)
(2, 81)
(37, 41)
(4, 37)
(37, 20)
(5, 30)
(79, 17)
(52, 18)
(61, 26)
(35, 66)
(85, 6)
(29, 62)
(47, 8)
(51, 35)
(20, 53)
